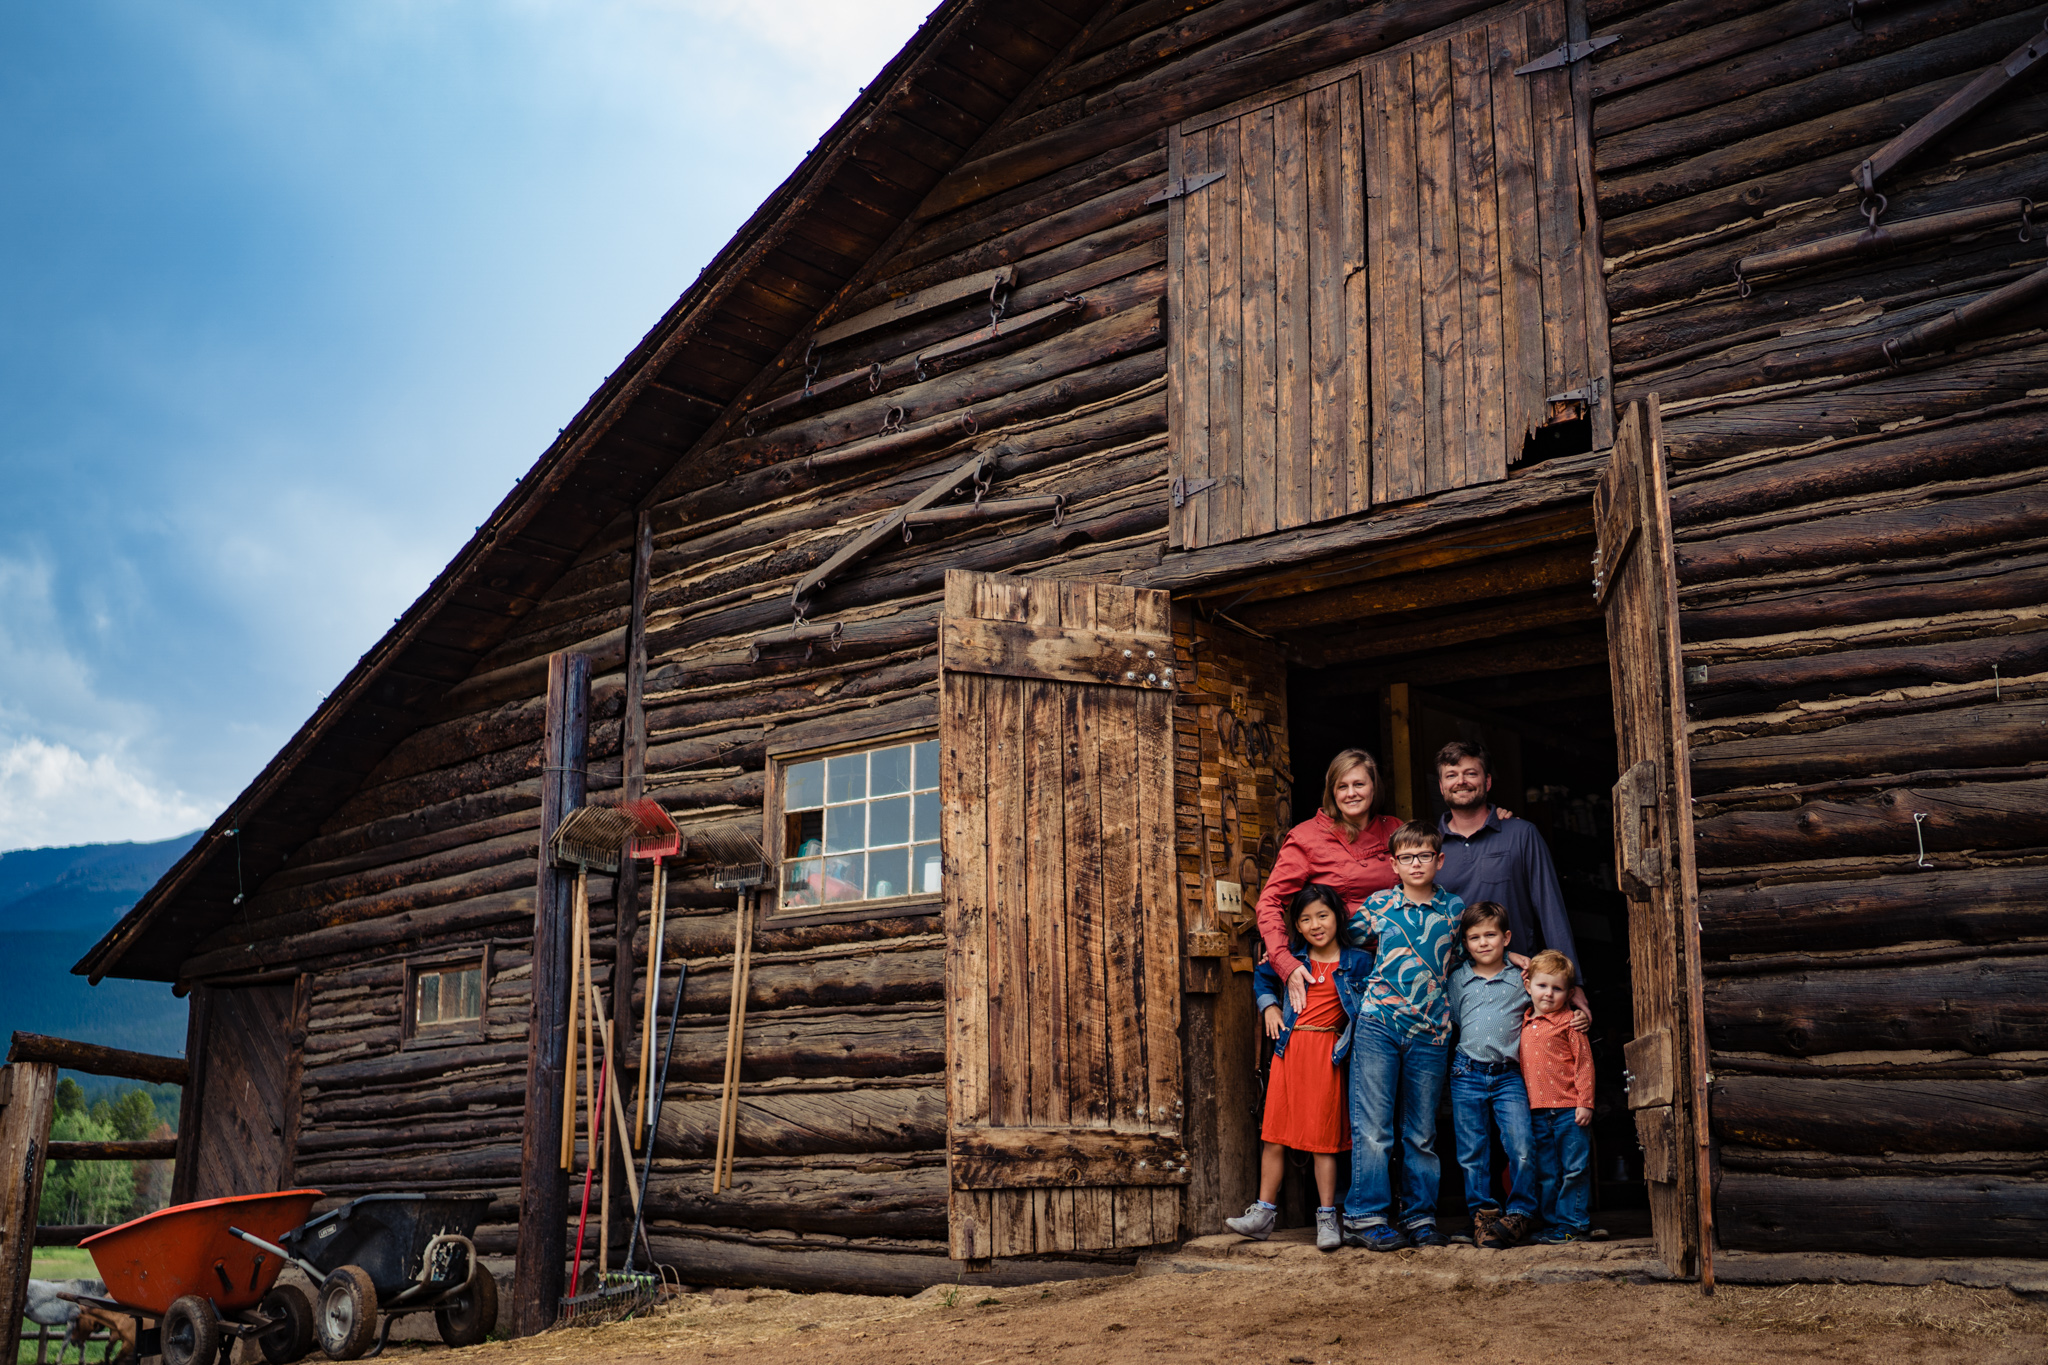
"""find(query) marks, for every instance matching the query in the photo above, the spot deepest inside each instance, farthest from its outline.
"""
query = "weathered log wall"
(1860, 589)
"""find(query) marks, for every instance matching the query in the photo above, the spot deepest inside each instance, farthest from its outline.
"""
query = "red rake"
(654, 834)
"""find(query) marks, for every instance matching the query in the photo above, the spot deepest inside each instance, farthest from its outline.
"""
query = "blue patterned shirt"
(1418, 947)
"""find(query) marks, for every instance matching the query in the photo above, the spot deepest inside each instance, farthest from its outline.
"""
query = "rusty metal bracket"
(1183, 185)
(1567, 53)
(1589, 392)
(1183, 490)
(1951, 111)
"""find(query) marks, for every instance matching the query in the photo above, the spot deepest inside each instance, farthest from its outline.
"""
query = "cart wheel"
(347, 1321)
(290, 1335)
(191, 1332)
(470, 1315)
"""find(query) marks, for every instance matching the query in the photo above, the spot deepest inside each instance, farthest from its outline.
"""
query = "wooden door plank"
(1330, 364)
(1592, 275)
(1044, 931)
(1478, 256)
(1443, 323)
(1261, 355)
(1193, 383)
(1293, 500)
(1158, 908)
(1112, 735)
(1009, 1044)
(1394, 245)
(1521, 272)
(1180, 358)
(1087, 968)
(1564, 300)
(1357, 449)
(1222, 503)
(1054, 653)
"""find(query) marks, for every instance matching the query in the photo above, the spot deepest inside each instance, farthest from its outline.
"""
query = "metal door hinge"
(1183, 490)
(1182, 185)
(1567, 53)
(1586, 393)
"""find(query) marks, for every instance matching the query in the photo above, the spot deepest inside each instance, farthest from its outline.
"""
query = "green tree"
(85, 1191)
(70, 1096)
(131, 1116)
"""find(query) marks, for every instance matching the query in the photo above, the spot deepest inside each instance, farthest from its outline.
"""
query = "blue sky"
(290, 294)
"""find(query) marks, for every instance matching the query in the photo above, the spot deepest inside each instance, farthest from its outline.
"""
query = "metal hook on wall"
(1919, 819)
(892, 420)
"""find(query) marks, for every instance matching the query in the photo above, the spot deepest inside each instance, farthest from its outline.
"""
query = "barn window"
(856, 828)
(1384, 281)
(445, 998)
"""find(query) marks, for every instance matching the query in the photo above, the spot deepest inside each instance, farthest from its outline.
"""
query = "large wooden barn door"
(1063, 1061)
(248, 1102)
(1637, 584)
(1381, 283)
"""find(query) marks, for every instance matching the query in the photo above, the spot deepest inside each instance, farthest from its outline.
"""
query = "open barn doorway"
(1494, 637)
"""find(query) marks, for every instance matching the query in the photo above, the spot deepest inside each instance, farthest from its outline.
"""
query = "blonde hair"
(1550, 962)
(1343, 763)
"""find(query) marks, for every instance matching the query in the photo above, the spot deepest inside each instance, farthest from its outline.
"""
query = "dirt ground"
(1337, 1313)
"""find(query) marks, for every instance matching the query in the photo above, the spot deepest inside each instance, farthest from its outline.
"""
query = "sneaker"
(1256, 1223)
(1427, 1236)
(1551, 1237)
(1353, 1232)
(1380, 1237)
(1506, 1231)
(1329, 1230)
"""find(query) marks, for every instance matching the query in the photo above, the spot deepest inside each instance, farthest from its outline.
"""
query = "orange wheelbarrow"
(192, 1271)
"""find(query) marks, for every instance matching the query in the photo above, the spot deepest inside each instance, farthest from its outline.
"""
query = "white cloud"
(51, 794)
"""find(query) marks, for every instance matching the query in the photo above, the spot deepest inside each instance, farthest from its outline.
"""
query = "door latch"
(1183, 185)
(1567, 53)
(1183, 490)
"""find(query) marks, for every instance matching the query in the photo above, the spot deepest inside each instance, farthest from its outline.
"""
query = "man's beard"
(1468, 800)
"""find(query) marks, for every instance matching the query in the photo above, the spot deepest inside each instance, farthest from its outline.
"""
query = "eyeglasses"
(1414, 859)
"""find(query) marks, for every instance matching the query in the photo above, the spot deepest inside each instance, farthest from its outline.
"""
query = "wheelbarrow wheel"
(471, 1314)
(290, 1334)
(347, 1321)
(191, 1332)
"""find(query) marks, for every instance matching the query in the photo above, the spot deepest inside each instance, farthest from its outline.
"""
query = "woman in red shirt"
(1343, 846)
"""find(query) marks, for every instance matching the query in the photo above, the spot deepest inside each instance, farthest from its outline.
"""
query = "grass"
(1811, 1308)
(57, 1263)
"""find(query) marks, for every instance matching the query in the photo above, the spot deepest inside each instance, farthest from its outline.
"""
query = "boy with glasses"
(1401, 1045)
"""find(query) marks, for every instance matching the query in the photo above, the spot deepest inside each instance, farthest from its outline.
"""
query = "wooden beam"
(1492, 661)
(1437, 632)
(95, 1060)
(544, 1188)
(1058, 1158)
(1015, 649)
(143, 1149)
(1567, 565)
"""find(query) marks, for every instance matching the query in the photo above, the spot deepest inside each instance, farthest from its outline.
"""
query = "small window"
(445, 999)
(858, 827)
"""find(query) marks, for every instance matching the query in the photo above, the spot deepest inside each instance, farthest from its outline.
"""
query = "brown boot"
(1508, 1231)
(1482, 1224)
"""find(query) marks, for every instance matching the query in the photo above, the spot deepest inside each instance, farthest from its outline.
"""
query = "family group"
(1392, 969)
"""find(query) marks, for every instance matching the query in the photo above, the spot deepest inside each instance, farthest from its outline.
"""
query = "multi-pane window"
(860, 827)
(445, 997)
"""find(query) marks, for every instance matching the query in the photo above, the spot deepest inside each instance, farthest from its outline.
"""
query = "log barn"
(1126, 405)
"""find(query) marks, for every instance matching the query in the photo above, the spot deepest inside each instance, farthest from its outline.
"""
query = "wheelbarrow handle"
(313, 1272)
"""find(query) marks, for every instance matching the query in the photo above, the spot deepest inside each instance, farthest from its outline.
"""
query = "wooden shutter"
(1388, 281)
(1637, 583)
(250, 1099)
(1063, 1068)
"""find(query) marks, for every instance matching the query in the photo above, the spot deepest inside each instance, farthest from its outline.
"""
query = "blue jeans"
(1563, 1152)
(1391, 1071)
(1481, 1104)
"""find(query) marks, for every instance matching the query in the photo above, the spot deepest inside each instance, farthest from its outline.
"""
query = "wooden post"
(1399, 772)
(544, 1190)
(185, 1167)
(28, 1091)
(626, 890)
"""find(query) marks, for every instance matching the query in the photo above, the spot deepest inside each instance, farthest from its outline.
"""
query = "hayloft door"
(1637, 583)
(1063, 1063)
(1383, 280)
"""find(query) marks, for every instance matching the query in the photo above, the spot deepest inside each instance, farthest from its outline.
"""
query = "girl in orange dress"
(1305, 1104)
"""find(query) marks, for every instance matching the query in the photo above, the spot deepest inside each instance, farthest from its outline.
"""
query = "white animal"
(46, 1308)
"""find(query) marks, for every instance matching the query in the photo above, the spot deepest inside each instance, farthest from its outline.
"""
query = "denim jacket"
(1354, 967)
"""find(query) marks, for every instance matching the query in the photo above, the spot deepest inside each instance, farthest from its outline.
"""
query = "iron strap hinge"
(1182, 185)
(1588, 392)
(1183, 490)
(1567, 53)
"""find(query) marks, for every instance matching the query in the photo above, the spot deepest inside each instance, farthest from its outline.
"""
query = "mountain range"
(55, 903)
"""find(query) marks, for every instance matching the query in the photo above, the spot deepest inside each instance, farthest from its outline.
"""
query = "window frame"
(772, 913)
(468, 1031)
